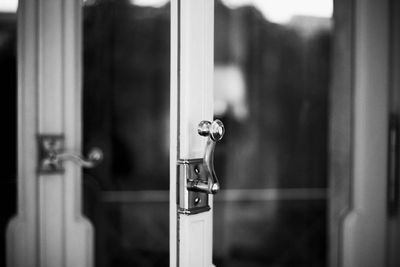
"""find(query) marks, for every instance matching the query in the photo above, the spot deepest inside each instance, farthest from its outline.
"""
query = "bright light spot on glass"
(281, 11)
(8, 5)
(230, 91)
(154, 3)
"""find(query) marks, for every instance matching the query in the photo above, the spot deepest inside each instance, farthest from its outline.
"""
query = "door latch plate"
(49, 146)
(191, 202)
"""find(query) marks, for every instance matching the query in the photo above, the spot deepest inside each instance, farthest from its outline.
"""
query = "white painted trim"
(49, 229)
(174, 71)
(364, 239)
(195, 105)
(196, 74)
(22, 236)
(195, 240)
(192, 53)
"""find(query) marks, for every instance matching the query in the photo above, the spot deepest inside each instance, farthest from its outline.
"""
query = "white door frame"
(49, 229)
(192, 65)
(364, 235)
(359, 132)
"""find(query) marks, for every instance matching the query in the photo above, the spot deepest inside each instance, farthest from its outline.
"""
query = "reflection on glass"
(126, 105)
(8, 111)
(271, 91)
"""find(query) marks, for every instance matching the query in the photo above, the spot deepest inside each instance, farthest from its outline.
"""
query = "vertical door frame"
(341, 126)
(192, 66)
(173, 153)
(49, 229)
(394, 218)
(21, 233)
(359, 132)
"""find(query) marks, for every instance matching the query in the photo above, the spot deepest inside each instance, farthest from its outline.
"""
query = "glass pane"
(272, 75)
(8, 111)
(126, 114)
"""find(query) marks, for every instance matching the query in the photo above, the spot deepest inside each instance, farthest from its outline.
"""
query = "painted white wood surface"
(173, 151)
(22, 234)
(49, 229)
(192, 45)
(196, 74)
(364, 236)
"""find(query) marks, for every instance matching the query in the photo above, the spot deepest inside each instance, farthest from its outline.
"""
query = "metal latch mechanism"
(197, 177)
(52, 155)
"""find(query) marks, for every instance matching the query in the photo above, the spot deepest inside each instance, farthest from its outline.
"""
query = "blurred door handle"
(52, 155)
(94, 157)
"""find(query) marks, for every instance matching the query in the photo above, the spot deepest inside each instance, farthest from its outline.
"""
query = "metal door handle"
(94, 157)
(52, 155)
(214, 131)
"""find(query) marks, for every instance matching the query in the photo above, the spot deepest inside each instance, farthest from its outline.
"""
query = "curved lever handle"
(215, 131)
(52, 155)
(95, 156)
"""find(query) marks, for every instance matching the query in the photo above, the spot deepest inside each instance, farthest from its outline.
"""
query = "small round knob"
(95, 155)
(204, 128)
(215, 129)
